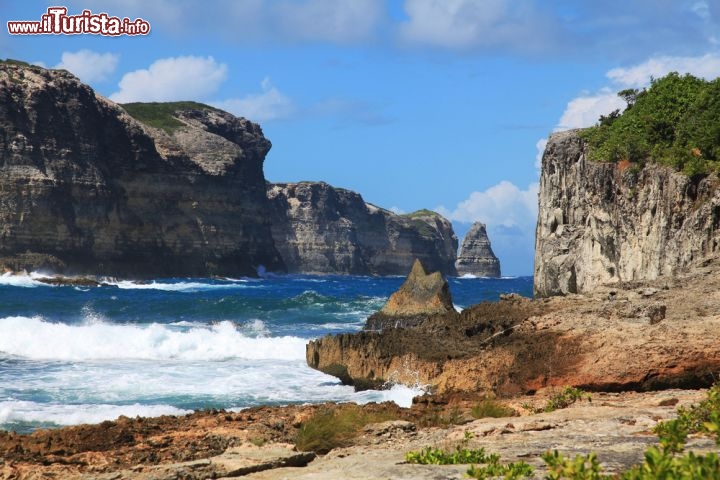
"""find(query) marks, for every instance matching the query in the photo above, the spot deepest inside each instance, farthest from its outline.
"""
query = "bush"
(674, 122)
(336, 427)
(491, 408)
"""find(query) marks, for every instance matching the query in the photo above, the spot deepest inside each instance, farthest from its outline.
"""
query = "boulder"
(421, 296)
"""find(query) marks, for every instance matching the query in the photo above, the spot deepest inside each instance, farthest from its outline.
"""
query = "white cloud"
(585, 110)
(271, 104)
(469, 23)
(176, 78)
(502, 204)
(89, 66)
(397, 210)
(540, 145)
(706, 66)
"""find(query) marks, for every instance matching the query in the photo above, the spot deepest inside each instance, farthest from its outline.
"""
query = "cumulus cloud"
(468, 23)
(89, 66)
(502, 204)
(540, 145)
(168, 79)
(586, 109)
(510, 214)
(270, 104)
(706, 66)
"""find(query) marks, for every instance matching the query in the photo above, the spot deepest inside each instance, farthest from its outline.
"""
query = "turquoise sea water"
(72, 355)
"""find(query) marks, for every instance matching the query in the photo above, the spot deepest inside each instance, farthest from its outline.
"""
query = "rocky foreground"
(258, 442)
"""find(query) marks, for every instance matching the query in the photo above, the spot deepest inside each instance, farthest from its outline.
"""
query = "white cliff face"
(605, 222)
(476, 255)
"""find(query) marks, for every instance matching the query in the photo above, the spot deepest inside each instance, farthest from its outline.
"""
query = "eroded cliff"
(617, 222)
(85, 188)
(322, 229)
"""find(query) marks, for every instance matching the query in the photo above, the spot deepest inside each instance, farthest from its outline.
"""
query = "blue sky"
(413, 103)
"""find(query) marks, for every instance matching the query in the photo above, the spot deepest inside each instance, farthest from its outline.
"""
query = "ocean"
(71, 355)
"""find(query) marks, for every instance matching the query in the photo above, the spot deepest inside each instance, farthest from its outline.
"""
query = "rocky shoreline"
(259, 442)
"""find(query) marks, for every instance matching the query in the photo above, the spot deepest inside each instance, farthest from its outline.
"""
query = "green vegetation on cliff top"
(676, 122)
(161, 114)
(421, 213)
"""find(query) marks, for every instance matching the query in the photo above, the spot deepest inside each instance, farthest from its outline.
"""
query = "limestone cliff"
(615, 222)
(85, 188)
(476, 256)
(322, 229)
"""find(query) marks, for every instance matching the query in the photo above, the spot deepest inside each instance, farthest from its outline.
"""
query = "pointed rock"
(476, 255)
(421, 296)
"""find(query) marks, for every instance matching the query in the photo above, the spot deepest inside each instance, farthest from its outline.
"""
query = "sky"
(439, 104)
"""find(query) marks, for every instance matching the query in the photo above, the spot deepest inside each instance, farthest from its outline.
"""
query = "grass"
(11, 61)
(336, 427)
(421, 213)
(491, 408)
(161, 114)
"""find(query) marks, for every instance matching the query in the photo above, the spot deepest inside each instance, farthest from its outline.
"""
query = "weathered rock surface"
(322, 229)
(617, 426)
(422, 295)
(605, 222)
(640, 337)
(85, 188)
(476, 256)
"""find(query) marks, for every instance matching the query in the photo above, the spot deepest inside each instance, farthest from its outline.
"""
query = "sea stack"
(476, 255)
(421, 296)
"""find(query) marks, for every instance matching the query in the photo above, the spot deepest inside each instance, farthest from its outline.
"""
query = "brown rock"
(511, 347)
(421, 296)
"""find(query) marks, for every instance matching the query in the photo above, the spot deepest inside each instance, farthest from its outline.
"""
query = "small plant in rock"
(483, 465)
(336, 427)
(491, 408)
(565, 398)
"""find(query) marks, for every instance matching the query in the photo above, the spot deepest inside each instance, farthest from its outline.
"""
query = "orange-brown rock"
(421, 295)
(640, 337)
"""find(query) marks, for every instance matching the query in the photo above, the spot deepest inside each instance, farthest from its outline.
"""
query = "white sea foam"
(21, 280)
(467, 276)
(35, 338)
(188, 287)
(15, 411)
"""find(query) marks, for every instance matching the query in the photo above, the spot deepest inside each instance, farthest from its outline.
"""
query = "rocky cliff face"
(476, 256)
(85, 188)
(607, 222)
(321, 229)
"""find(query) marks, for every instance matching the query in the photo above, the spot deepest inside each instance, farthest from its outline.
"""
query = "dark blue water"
(73, 355)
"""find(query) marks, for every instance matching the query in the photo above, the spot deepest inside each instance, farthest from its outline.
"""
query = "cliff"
(318, 228)
(163, 189)
(86, 188)
(476, 256)
(618, 222)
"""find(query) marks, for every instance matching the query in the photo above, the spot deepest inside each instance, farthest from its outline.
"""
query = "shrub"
(674, 122)
(336, 427)
(491, 408)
